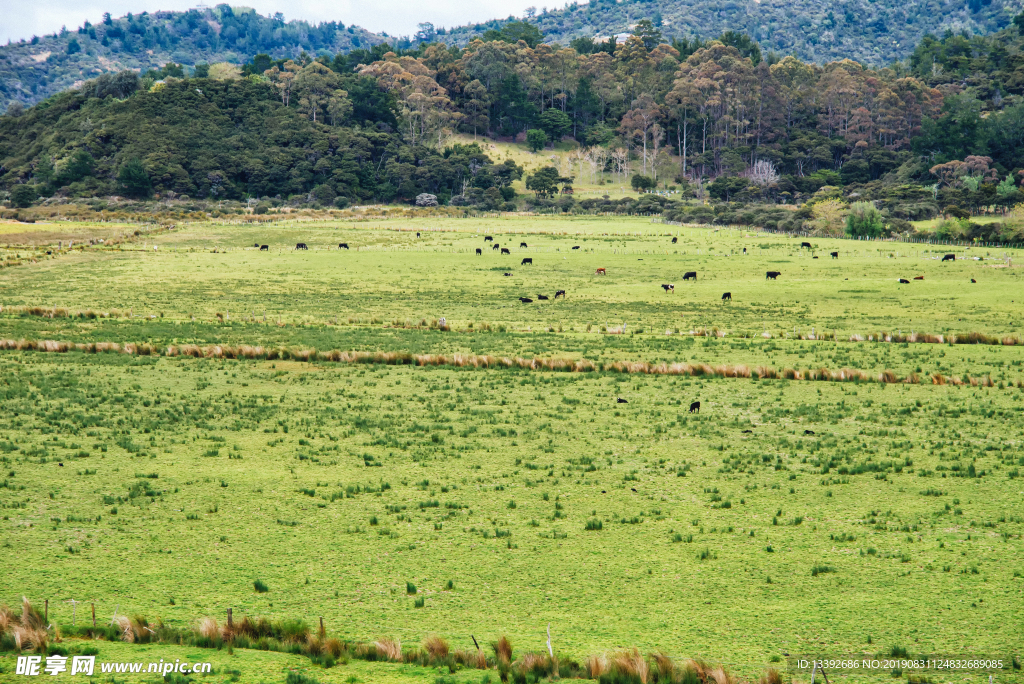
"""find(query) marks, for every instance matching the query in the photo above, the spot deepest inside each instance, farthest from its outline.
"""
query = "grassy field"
(787, 517)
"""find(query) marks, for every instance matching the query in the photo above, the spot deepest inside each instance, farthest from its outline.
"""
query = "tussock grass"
(485, 361)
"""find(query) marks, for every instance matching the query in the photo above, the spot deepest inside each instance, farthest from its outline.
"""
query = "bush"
(324, 194)
(24, 195)
(864, 220)
(536, 139)
(134, 179)
(956, 212)
(260, 587)
(594, 525)
(341, 202)
(642, 183)
(261, 209)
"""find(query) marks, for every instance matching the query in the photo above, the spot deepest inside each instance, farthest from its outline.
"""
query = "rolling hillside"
(874, 32)
(34, 69)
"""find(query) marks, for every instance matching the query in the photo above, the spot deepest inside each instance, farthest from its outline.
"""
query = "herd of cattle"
(668, 287)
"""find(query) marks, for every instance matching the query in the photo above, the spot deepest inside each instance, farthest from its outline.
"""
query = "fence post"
(322, 632)
(229, 618)
(46, 611)
(94, 616)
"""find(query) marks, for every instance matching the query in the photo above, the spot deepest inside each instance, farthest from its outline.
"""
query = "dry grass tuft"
(631, 664)
(390, 649)
(720, 676)
(597, 665)
(208, 628)
(772, 676)
(502, 650)
(436, 647)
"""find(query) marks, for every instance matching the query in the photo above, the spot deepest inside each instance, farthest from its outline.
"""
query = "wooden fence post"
(229, 618)
(322, 632)
(46, 611)
(94, 616)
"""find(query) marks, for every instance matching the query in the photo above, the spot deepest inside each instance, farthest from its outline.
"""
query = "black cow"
(495, 246)
(744, 250)
(342, 245)
(488, 238)
(525, 261)
(748, 432)
(264, 248)
(620, 400)
(506, 274)
(808, 432)
(504, 250)
(772, 275)
(904, 281)
(949, 257)
(576, 247)
(542, 298)
(479, 251)
(668, 288)
(727, 295)
(256, 245)
(805, 244)
(973, 280)
(522, 245)
(695, 407)
(834, 255)
(301, 245)
(526, 300)
(417, 234)
(814, 257)
(675, 240)
(559, 293)
(690, 275)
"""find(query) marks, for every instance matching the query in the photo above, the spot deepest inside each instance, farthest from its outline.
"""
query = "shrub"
(260, 587)
(536, 139)
(410, 588)
(821, 570)
(593, 525)
(864, 220)
(24, 195)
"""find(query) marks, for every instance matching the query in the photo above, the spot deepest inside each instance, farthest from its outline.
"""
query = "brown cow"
(601, 271)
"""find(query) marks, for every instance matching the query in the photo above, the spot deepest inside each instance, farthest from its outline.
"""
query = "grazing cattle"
(264, 248)
(695, 407)
(805, 244)
(949, 257)
(495, 246)
(601, 271)
(559, 293)
(748, 432)
(526, 300)
(488, 238)
(973, 280)
(576, 247)
(675, 240)
(542, 298)
(301, 245)
(668, 288)
(772, 275)
(504, 250)
(690, 275)
(620, 400)
(506, 274)
(522, 245)
(814, 257)
(525, 261)
(479, 251)
(904, 281)
(256, 245)
(727, 295)
(834, 255)
(632, 489)
(417, 234)
(918, 277)
(342, 245)
(808, 432)
(744, 250)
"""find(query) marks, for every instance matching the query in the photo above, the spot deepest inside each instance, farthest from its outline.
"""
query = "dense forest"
(33, 69)
(874, 32)
(719, 120)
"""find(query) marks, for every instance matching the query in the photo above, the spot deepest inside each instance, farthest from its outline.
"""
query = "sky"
(395, 17)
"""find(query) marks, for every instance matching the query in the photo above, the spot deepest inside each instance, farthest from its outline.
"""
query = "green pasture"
(390, 276)
(785, 518)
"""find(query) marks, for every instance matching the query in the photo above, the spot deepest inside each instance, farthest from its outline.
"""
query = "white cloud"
(395, 17)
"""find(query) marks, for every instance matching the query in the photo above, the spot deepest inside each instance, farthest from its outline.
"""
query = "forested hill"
(34, 69)
(874, 32)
